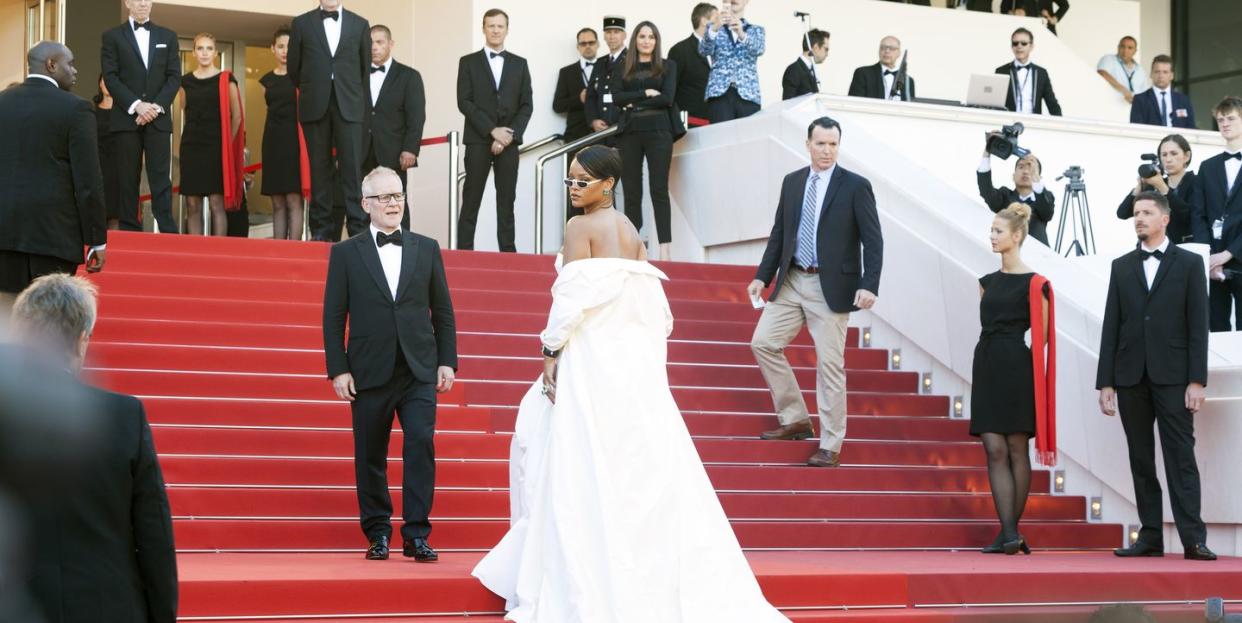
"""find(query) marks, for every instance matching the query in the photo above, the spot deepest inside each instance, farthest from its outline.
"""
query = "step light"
(1132, 533)
(1097, 508)
(895, 359)
(866, 337)
(927, 383)
(958, 406)
(1058, 481)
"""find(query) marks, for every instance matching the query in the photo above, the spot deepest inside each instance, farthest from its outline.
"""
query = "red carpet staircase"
(221, 339)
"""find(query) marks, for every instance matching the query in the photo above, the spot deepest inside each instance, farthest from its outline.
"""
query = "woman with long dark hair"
(107, 155)
(211, 166)
(644, 89)
(282, 150)
(1174, 180)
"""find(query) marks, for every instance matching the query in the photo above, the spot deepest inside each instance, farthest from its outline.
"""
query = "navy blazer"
(1145, 109)
(1209, 201)
(848, 241)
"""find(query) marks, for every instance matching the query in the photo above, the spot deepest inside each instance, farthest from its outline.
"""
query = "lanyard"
(1020, 96)
(1129, 74)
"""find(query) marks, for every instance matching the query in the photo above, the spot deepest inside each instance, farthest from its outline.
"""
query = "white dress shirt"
(810, 64)
(1231, 170)
(143, 35)
(1151, 264)
(497, 64)
(888, 82)
(1024, 80)
(586, 69)
(377, 79)
(390, 260)
(332, 28)
(985, 166)
(1164, 96)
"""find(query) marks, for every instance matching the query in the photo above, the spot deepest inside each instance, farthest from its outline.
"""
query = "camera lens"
(1147, 170)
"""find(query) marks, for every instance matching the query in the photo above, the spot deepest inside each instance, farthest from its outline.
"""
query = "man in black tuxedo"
(329, 62)
(390, 285)
(1216, 216)
(1028, 188)
(53, 203)
(800, 77)
(825, 253)
(142, 70)
(1030, 88)
(101, 540)
(598, 107)
(493, 92)
(692, 67)
(398, 110)
(877, 81)
(1154, 366)
(1161, 105)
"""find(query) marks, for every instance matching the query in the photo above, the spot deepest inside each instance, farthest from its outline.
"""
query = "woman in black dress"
(1003, 390)
(645, 90)
(1175, 157)
(202, 146)
(282, 174)
(107, 155)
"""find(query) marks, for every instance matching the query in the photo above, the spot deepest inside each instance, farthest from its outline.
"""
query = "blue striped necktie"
(806, 228)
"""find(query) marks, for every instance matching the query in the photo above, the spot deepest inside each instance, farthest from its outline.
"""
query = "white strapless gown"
(613, 517)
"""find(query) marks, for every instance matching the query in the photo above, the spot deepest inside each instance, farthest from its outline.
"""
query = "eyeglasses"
(391, 198)
(889, 48)
(571, 182)
(1019, 44)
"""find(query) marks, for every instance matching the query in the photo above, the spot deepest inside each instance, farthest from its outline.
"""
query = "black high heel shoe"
(1025, 548)
(1016, 545)
(996, 547)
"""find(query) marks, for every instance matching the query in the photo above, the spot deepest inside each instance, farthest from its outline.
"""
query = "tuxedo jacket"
(1145, 109)
(397, 117)
(1044, 96)
(798, 80)
(597, 105)
(1211, 201)
(868, 81)
(129, 80)
(848, 242)
(486, 107)
(52, 139)
(420, 320)
(999, 198)
(102, 546)
(1179, 208)
(570, 83)
(692, 73)
(1162, 331)
(318, 73)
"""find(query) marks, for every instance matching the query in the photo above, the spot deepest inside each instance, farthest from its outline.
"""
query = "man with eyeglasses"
(389, 285)
(878, 80)
(570, 97)
(1030, 88)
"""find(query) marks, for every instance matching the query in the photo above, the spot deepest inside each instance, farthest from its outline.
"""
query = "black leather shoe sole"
(1132, 553)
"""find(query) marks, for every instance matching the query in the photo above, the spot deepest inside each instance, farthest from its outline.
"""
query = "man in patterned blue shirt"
(734, 46)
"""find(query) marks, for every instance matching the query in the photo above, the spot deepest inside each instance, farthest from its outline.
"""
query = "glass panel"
(51, 20)
(33, 26)
(1212, 28)
(1206, 95)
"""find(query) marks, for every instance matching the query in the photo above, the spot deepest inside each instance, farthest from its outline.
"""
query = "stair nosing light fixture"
(1097, 508)
(894, 359)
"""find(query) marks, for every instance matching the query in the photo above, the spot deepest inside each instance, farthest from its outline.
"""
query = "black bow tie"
(325, 14)
(375, 69)
(146, 25)
(1017, 66)
(491, 55)
(588, 63)
(889, 72)
(1158, 254)
(1237, 156)
(382, 238)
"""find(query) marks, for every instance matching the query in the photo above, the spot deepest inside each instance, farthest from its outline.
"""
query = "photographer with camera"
(1166, 173)
(1027, 189)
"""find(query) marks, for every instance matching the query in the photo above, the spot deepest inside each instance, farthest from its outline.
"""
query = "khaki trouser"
(801, 301)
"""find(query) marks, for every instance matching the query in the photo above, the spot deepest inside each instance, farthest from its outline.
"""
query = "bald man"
(876, 81)
(53, 204)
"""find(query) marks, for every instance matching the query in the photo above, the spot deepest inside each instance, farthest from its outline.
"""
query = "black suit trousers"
(1224, 301)
(414, 404)
(333, 131)
(18, 269)
(479, 162)
(1165, 406)
(657, 147)
(131, 147)
(729, 106)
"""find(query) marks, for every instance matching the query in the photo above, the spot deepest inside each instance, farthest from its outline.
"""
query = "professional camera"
(1152, 167)
(1004, 143)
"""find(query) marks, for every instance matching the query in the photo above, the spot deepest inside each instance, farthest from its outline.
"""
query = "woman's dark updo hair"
(283, 31)
(1181, 142)
(600, 162)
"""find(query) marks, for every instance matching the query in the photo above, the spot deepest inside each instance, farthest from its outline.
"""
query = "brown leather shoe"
(797, 430)
(824, 458)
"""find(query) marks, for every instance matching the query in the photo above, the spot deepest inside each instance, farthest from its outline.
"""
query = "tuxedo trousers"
(1163, 406)
(18, 269)
(333, 132)
(479, 162)
(414, 405)
(801, 302)
(132, 149)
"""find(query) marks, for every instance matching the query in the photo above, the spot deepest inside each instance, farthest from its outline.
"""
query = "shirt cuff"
(133, 106)
(100, 247)
(1038, 188)
(985, 165)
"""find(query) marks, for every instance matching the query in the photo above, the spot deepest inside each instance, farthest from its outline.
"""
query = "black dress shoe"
(996, 547)
(378, 549)
(419, 550)
(1015, 546)
(1140, 550)
(1199, 551)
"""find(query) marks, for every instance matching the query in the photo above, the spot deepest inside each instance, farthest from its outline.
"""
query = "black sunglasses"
(1019, 44)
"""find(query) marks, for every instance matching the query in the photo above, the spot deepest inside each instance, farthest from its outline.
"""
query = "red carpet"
(221, 339)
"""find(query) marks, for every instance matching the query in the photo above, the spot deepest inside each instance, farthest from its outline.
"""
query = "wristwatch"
(548, 352)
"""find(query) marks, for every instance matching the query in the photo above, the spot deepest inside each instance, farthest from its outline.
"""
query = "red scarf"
(303, 159)
(233, 154)
(1045, 376)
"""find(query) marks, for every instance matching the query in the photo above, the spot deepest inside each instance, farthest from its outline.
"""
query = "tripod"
(1075, 209)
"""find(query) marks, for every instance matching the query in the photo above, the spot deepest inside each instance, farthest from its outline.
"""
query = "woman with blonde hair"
(212, 141)
(1013, 390)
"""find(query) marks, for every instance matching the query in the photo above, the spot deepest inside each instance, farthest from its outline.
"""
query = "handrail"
(457, 177)
(556, 153)
(525, 147)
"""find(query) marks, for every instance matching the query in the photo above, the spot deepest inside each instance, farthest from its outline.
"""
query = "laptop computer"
(988, 91)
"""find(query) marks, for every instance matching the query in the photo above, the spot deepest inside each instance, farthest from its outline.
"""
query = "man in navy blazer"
(825, 252)
(1161, 105)
(1216, 217)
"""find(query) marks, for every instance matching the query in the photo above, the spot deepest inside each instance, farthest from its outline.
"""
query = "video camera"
(1151, 167)
(1004, 143)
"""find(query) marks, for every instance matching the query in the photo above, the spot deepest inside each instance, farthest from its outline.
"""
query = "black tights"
(1009, 474)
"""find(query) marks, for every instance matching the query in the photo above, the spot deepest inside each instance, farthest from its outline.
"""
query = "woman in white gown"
(614, 519)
